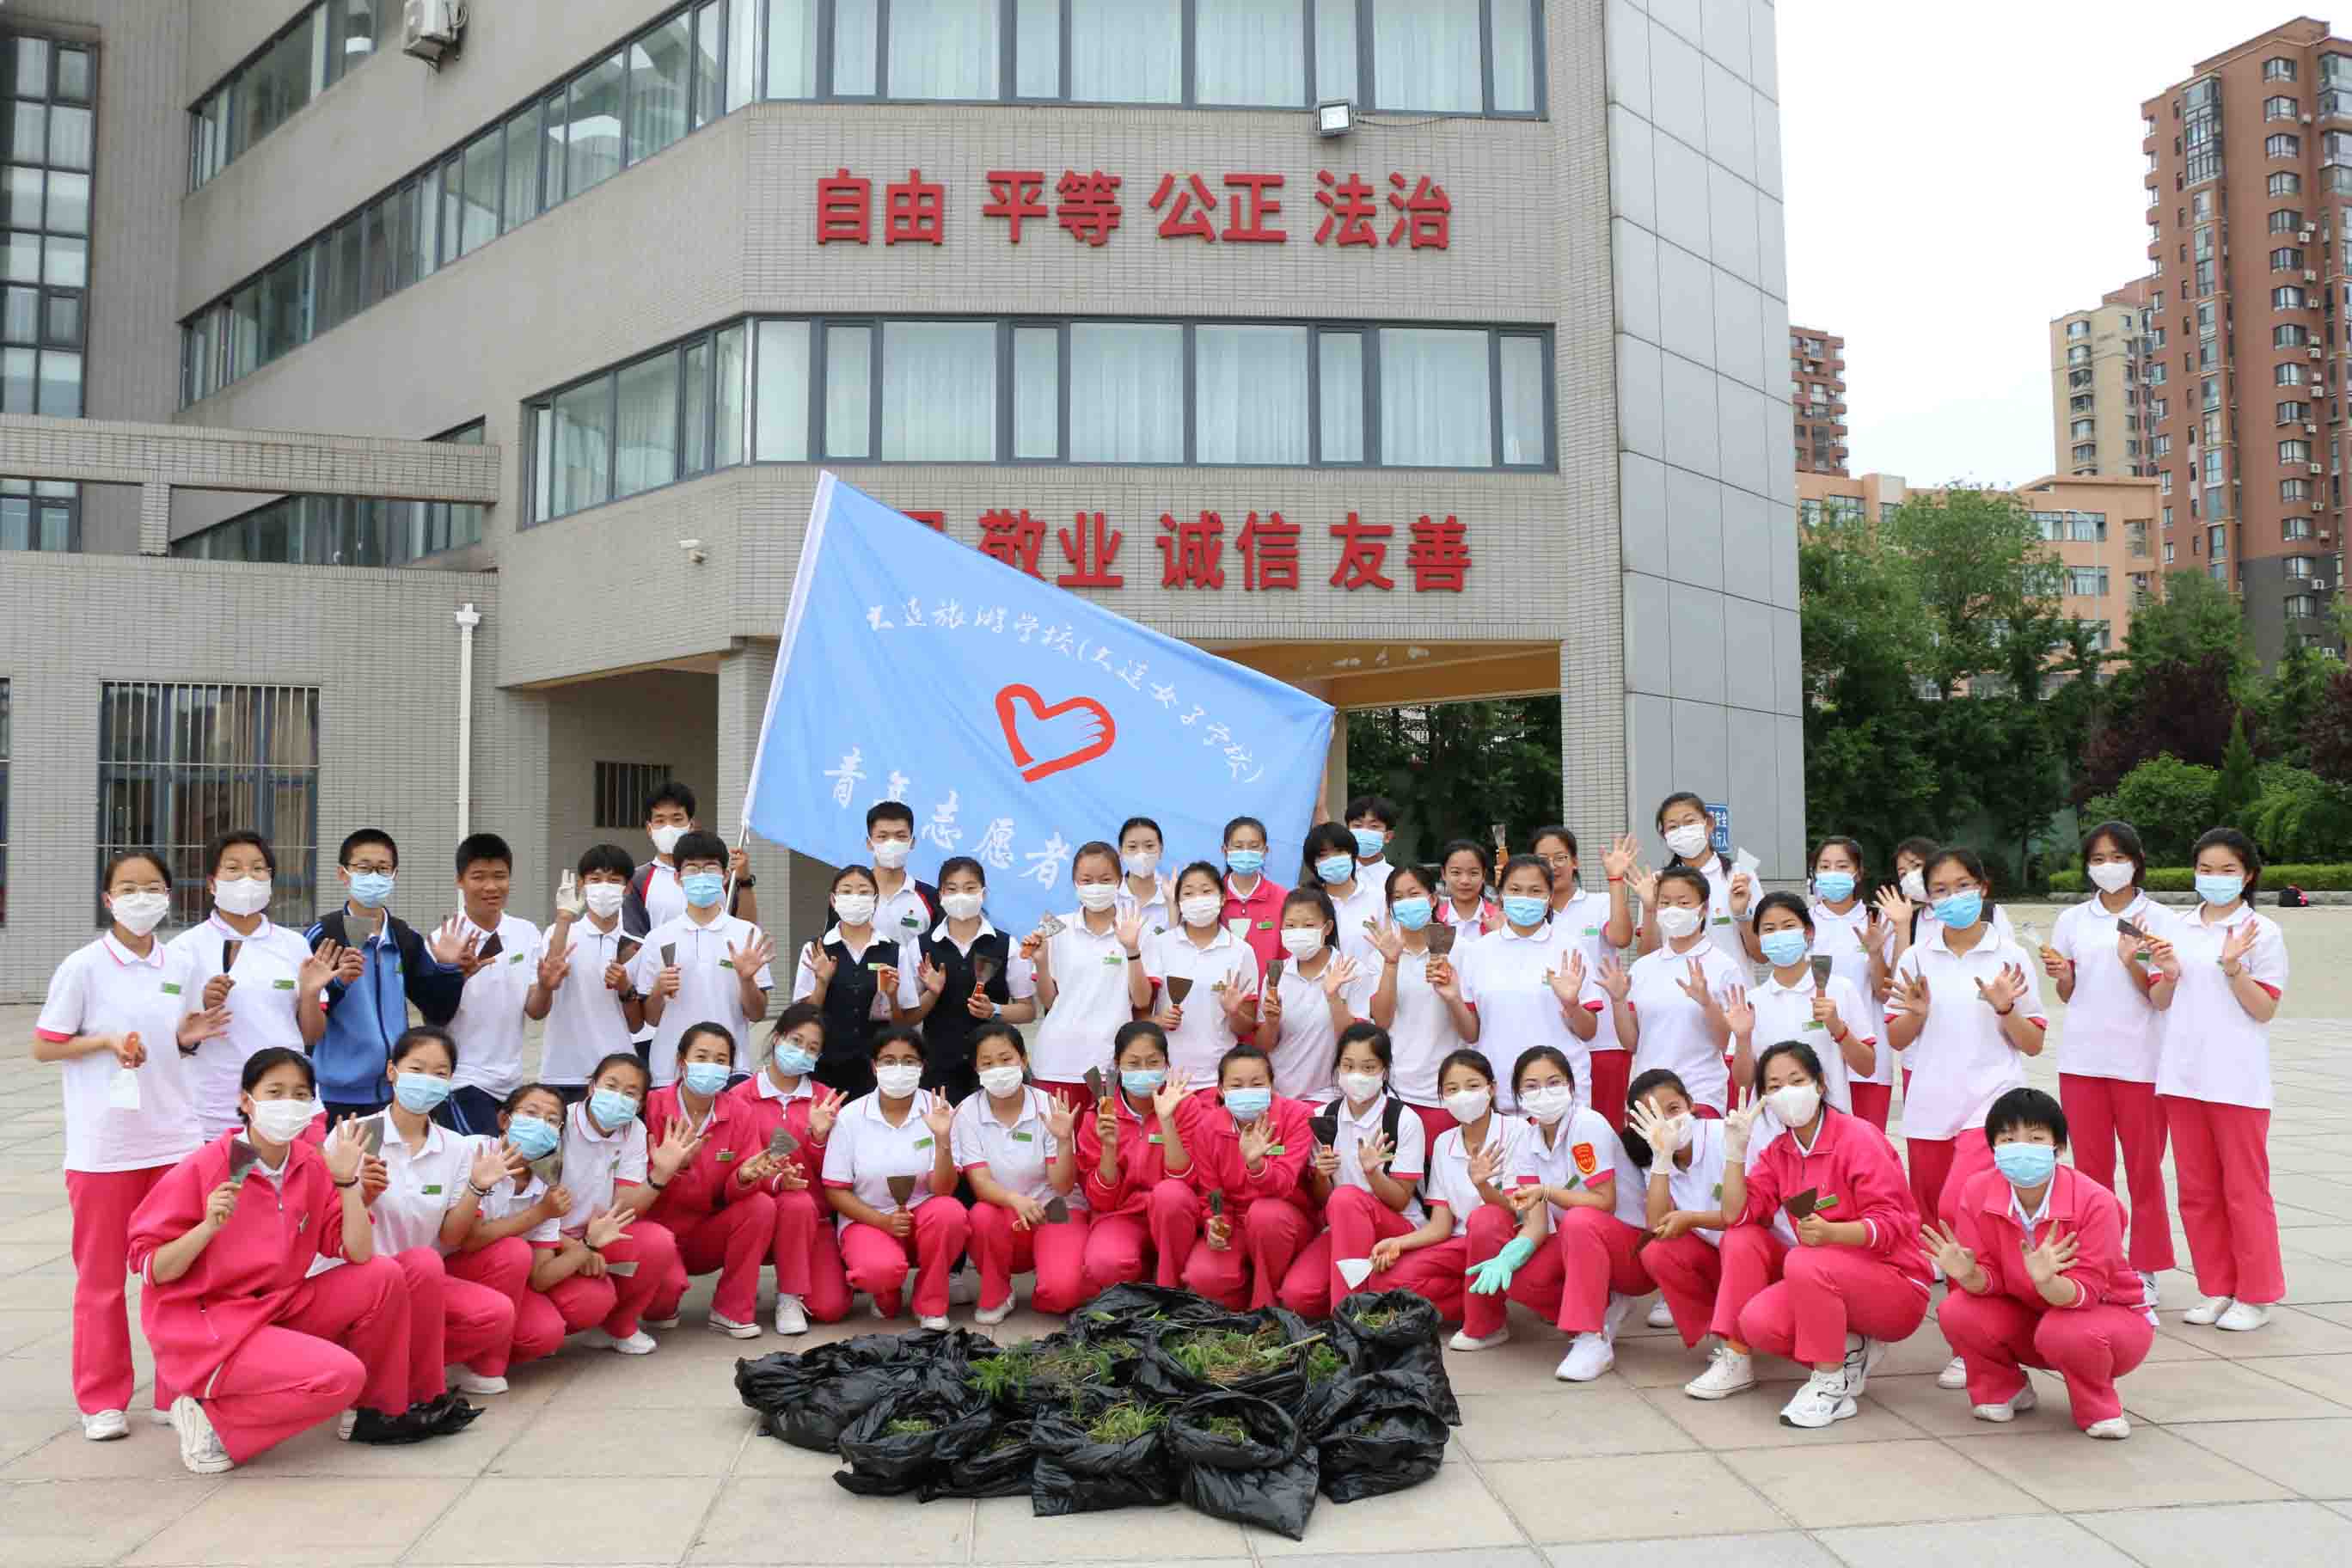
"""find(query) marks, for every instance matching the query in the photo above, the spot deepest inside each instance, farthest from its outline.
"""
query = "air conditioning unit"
(2303, 234)
(2306, 120)
(2316, 351)
(2314, 467)
(2311, 429)
(430, 29)
(2310, 275)
(2316, 506)
(2324, 535)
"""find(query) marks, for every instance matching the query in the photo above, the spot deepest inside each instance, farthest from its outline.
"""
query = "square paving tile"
(1752, 1420)
(1783, 1549)
(1454, 1508)
(1002, 1530)
(2216, 1391)
(1876, 1483)
(2073, 1473)
(2041, 1539)
(2254, 1535)
(544, 1520)
(2306, 1457)
(63, 1524)
(1561, 1422)
(311, 1520)
(1627, 1499)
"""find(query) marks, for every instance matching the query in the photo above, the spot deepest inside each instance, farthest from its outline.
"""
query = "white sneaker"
(1863, 1355)
(1822, 1399)
(1587, 1358)
(669, 1323)
(2147, 1283)
(1728, 1373)
(200, 1446)
(2115, 1429)
(2242, 1316)
(466, 1380)
(963, 1288)
(1661, 1315)
(1954, 1376)
(638, 1343)
(1462, 1340)
(2210, 1313)
(1613, 1316)
(159, 1417)
(733, 1330)
(344, 1425)
(989, 1317)
(931, 1323)
(2009, 1409)
(792, 1318)
(104, 1426)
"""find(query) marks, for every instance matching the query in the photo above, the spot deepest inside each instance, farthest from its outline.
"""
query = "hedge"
(2336, 879)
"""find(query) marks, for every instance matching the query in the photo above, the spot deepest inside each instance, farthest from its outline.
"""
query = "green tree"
(1454, 767)
(2239, 785)
(2293, 697)
(2169, 802)
(2196, 618)
(1974, 563)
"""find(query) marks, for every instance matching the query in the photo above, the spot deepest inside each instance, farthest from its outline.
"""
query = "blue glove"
(1494, 1276)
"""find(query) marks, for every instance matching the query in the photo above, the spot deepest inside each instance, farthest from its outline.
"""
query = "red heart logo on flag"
(1083, 743)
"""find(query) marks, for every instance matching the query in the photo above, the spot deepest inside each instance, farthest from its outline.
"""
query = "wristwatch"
(747, 880)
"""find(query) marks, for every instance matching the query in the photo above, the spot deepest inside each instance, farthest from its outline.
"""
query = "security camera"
(695, 553)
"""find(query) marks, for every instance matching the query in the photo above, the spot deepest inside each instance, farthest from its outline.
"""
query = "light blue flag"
(1016, 720)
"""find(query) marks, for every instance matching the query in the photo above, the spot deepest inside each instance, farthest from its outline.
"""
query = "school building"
(410, 414)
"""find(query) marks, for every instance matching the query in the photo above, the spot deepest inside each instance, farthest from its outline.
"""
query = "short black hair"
(1555, 830)
(1134, 1030)
(1535, 1053)
(1368, 1033)
(607, 857)
(1319, 901)
(1378, 806)
(708, 1026)
(1466, 1056)
(895, 1035)
(1637, 1148)
(1804, 1055)
(669, 791)
(699, 844)
(352, 842)
(1783, 899)
(1243, 1052)
(1135, 821)
(257, 1067)
(118, 860)
(2025, 1107)
(1227, 837)
(418, 1035)
(475, 848)
(221, 843)
(2125, 840)
(1923, 848)
(2237, 844)
(998, 1029)
(635, 1063)
(890, 811)
(954, 863)
(1323, 839)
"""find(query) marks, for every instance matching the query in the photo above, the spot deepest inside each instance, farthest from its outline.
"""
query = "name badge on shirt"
(910, 921)
(170, 988)
(517, 957)
(1115, 959)
(1155, 1138)
(1023, 1137)
(1723, 920)
(726, 964)
(281, 985)
(725, 1155)
(1718, 1191)
(432, 1192)
(1266, 925)
(922, 1142)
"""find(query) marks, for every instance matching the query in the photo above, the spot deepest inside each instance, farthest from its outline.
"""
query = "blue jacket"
(365, 1017)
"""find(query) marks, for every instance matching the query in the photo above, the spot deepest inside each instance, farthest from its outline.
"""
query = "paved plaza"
(2237, 1453)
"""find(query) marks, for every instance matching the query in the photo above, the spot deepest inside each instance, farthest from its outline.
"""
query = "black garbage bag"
(1383, 1439)
(1135, 1303)
(1001, 1467)
(1049, 1370)
(809, 1398)
(1082, 1469)
(910, 1437)
(1168, 1371)
(1242, 1459)
(1397, 1331)
(834, 1404)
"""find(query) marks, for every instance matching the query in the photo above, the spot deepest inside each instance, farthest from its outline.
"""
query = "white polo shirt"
(595, 1163)
(1196, 1045)
(903, 916)
(1580, 1151)
(260, 1004)
(1420, 1035)
(905, 957)
(1017, 1155)
(1507, 978)
(1844, 941)
(1090, 1000)
(707, 991)
(585, 1023)
(864, 1151)
(1699, 1189)
(2211, 1050)
(1303, 1053)
(1672, 1027)
(2112, 1031)
(1158, 912)
(1962, 1062)
(1786, 1013)
(1370, 901)
(421, 1187)
(1723, 927)
(507, 1200)
(488, 1025)
(1583, 921)
(1411, 1157)
(1448, 1181)
(103, 988)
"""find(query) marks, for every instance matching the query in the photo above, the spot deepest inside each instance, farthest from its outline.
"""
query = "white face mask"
(1688, 841)
(1200, 912)
(900, 1079)
(604, 899)
(1915, 886)
(140, 913)
(854, 908)
(1548, 1105)
(1362, 1085)
(1678, 1128)
(960, 906)
(1001, 1081)
(1677, 922)
(1098, 895)
(2112, 876)
(1141, 864)
(1302, 942)
(282, 1121)
(891, 853)
(1796, 1104)
(1469, 1104)
(241, 895)
(665, 836)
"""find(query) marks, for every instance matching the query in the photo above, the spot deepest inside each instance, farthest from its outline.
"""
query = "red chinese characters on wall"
(1437, 557)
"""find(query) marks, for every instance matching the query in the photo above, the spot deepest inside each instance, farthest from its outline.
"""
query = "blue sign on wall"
(1720, 835)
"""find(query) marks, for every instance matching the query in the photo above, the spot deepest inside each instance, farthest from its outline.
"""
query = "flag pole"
(803, 579)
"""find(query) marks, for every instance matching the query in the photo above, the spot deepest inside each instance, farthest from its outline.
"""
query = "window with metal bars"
(621, 789)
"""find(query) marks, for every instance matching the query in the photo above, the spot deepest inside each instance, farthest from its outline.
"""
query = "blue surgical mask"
(2025, 1165)
(1960, 910)
(1142, 1080)
(2220, 889)
(1411, 914)
(1369, 841)
(1245, 862)
(793, 1062)
(612, 1109)
(532, 1138)
(1248, 1104)
(1833, 887)
(1522, 910)
(1783, 948)
(369, 890)
(1336, 868)
(420, 1091)
(702, 889)
(705, 1079)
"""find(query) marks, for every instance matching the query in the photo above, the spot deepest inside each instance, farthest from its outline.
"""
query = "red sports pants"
(1000, 1249)
(808, 1254)
(1117, 1245)
(2102, 1112)
(1355, 1220)
(1825, 1293)
(102, 1203)
(2090, 1348)
(2220, 1156)
(877, 1261)
(733, 1241)
(342, 1340)
(1266, 1239)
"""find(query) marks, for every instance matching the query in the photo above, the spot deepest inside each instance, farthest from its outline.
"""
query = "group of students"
(1255, 1093)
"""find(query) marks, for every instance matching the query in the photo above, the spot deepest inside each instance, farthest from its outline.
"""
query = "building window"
(2286, 183)
(40, 515)
(2294, 451)
(1809, 513)
(2083, 427)
(621, 789)
(2295, 491)
(2079, 353)
(2301, 606)
(4, 801)
(2286, 220)
(2163, 447)
(2078, 329)
(46, 194)
(2087, 454)
(2280, 107)
(2278, 67)
(2296, 528)
(309, 56)
(2290, 336)
(2283, 144)
(2301, 566)
(2167, 555)
(2288, 298)
(2286, 259)
(342, 530)
(180, 763)
(2289, 374)
(2293, 412)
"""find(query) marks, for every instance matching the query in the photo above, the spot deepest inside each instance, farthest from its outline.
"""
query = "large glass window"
(4, 795)
(1126, 393)
(44, 225)
(943, 49)
(1425, 56)
(784, 392)
(594, 147)
(938, 389)
(1126, 51)
(661, 86)
(524, 134)
(582, 449)
(1435, 408)
(1248, 52)
(312, 54)
(38, 514)
(478, 222)
(645, 443)
(1523, 425)
(1036, 391)
(1250, 385)
(849, 392)
(1339, 375)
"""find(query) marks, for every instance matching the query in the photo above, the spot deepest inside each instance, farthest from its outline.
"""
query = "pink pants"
(807, 1255)
(1689, 1274)
(1825, 1293)
(570, 1305)
(1872, 1101)
(1269, 1234)
(1591, 1254)
(2220, 1157)
(877, 1261)
(654, 1250)
(450, 1321)
(1056, 1252)
(2102, 1111)
(734, 1241)
(340, 1343)
(1941, 1168)
(102, 1203)
(1116, 1245)
(1442, 1272)
(1749, 1262)
(504, 1266)
(1355, 1220)
(1998, 1335)
(1612, 1072)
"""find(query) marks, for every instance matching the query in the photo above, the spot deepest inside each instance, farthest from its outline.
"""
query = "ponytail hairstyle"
(1680, 797)
(1306, 897)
